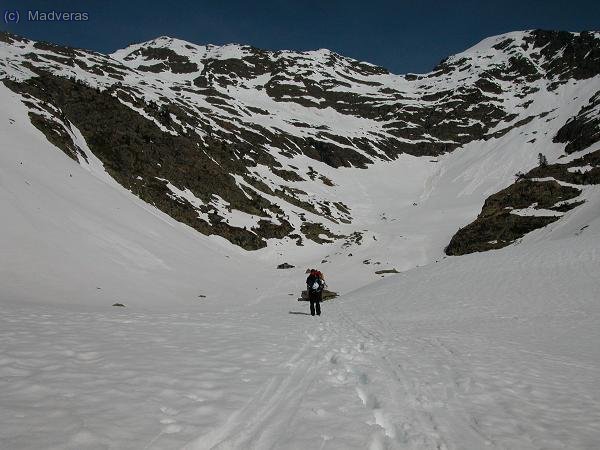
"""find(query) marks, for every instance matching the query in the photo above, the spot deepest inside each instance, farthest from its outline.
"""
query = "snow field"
(495, 351)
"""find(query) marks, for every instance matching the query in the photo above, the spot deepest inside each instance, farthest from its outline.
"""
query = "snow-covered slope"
(492, 350)
(71, 234)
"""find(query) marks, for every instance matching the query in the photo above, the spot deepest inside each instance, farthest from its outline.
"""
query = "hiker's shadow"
(300, 312)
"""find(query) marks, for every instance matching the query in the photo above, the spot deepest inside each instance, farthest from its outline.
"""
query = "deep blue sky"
(403, 35)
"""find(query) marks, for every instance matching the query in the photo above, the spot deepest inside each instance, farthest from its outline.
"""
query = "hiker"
(314, 286)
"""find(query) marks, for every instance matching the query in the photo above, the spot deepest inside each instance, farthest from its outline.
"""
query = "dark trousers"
(315, 303)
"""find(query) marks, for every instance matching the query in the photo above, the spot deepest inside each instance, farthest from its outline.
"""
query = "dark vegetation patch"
(255, 110)
(326, 181)
(561, 172)
(153, 68)
(367, 69)
(355, 80)
(62, 60)
(297, 238)
(267, 229)
(287, 175)
(313, 231)
(354, 239)
(284, 193)
(342, 207)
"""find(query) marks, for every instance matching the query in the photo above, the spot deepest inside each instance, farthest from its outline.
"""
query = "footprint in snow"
(169, 411)
(363, 378)
(369, 400)
(172, 429)
(88, 356)
(332, 357)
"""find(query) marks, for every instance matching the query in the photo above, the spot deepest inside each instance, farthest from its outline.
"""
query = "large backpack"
(317, 285)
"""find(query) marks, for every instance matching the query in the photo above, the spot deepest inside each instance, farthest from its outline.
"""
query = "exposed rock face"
(566, 55)
(584, 129)
(208, 134)
(536, 199)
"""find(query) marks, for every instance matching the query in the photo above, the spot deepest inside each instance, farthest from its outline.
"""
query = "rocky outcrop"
(536, 199)
(583, 130)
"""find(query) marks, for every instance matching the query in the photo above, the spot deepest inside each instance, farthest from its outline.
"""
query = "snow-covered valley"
(497, 349)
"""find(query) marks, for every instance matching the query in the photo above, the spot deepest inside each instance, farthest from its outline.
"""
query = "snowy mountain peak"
(172, 51)
(534, 53)
(168, 56)
(259, 134)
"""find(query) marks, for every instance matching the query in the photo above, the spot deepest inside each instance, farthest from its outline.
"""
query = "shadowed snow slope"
(71, 234)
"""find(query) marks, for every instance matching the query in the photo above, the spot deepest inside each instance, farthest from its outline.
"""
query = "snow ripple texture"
(461, 355)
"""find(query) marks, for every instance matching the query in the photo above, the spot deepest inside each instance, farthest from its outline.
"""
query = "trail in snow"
(484, 361)
(464, 354)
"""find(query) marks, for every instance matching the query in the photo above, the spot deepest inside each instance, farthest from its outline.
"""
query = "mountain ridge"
(254, 113)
